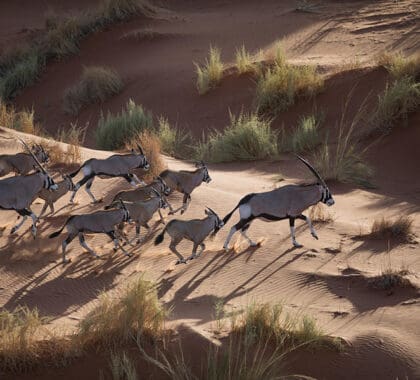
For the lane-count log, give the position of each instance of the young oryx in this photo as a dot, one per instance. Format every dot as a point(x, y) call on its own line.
point(17, 193)
point(97, 222)
point(142, 212)
point(287, 202)
point(51, 197)
point(22, 163)
point(118, 165)
point(195, 230)
point(185, 182)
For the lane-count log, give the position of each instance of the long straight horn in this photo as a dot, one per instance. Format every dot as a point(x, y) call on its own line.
point(33, 155)
point(156, 192)
point(312, 169)
point(122, 204)
point(140, 149)
point(211, 210)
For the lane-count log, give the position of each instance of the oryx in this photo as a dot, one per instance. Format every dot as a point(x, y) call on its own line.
point(117, 165)
point(185, 182)
point(96, 222)
point(22, 163)
point(18, 193)
point(286, 202)
point(195, 230)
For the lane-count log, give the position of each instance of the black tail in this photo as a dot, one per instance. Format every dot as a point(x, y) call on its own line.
point(75, 173)
point(228, 216)
point(244, 200)
point(159, 238)
point(56, 233)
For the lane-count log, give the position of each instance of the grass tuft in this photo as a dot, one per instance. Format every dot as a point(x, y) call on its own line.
point(399, 66)
point(390, 279)
point(280, 86)
point(135, 312)
point(248, 137)
point(400, 229)
point(306, 136)
point(122, 367)
point(119, 10)
point(175, 142)
point(244, 62)
point(209, 75)
point(22, 121)
point(115, 130)
point(320, 214)
point(97, 84)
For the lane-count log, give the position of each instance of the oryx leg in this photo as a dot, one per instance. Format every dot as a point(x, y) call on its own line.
point(87, 188)
point(130, 180)
point(24, 213)
point(139, 181)
point(64, 245)
point(242, 224)
point(43, 209)
point(162, 219)
point(309, 222)
point(80, 184)
point(194, 254)
point(243, 233)
point(172, 247)
point(183, 208)
point(117, 245)
point(85, 246)
point(139, 241)
point(292, 233)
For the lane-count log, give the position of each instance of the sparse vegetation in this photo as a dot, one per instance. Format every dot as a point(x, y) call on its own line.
point(399, 66)
point(279, 86)
point(22, 121)
point(400, 229)
point(119, 10)
point(175, 142)
point(395, 103)
point(97, 84)
point(115, 130)
point(209, 75)
point(141, 35)
point(244, 62)
point(390, 279)
point(248, 137)
point(135, 311)
point(122, 367)
point(306, 136)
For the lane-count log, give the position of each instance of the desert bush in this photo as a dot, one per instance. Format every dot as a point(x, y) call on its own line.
point(248, 137)
point(96, 85)
point(209, 75)
point(395, 103)
point(134, 312)
point(399, 66)
point(151, 145)
point(244, 62)
point(400, 229)
point(320, 214)
point(122, 367)
point(279, 87)
point(390, 279)
point(306, 136)
point(119, 10)
point(20, 120)
point(115, 130)
point(175, 142)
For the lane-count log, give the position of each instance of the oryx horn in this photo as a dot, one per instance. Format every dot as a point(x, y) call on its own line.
point(33, 155)
point(312, 169)
point(208, 208)
point(140, 149)
point(156, 192)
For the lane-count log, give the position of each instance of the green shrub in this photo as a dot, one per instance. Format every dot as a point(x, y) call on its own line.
point(395, 103)
point(244, 62)
point(306, 136)
point(175, 142)
point(209, 75)
point(115, 130)
point(248, 137)
point(279, 86)
point(96, 85)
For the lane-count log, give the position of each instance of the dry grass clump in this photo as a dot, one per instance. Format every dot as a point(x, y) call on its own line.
point(151, 145)
point(134, 312)
point(279, 86)
point(400, 229)
point(244, 62)
point(399, 66)
point(115, 130)
point(395, 103)
point(22, 121)
point(390, 279)
point(320, 214)
point(306, 136)
point(119, 10)
point(174, 142)
point(210, 74)
point(97, 84)
point(122, 367)
point(248, 137)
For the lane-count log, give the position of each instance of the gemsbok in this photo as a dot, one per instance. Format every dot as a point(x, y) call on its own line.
point(117, 165)
point(286, 202)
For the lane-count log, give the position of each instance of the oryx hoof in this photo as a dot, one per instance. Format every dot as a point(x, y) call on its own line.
point(115, 249)
point(192, 257)
point(181, 261)
point(182, 211)
point(171, 213)
point(297, 245)
point(13, 230)
point(128, 254)
point(253, 244)
point(66, 261)
point(315, 236)
point(96, 201)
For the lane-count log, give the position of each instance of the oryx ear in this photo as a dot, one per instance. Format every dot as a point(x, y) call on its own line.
point(207, 212)
point(133, 151)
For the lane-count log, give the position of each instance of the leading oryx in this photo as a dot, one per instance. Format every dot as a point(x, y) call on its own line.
point(22, 163)
point(96, 222)
point(17, 193)
point(185, 182)
point(287, 202)
point(117, 165)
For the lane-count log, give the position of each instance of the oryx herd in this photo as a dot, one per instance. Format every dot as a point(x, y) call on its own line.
point(139, 205)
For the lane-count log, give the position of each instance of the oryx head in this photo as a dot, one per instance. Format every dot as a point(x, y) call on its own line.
point(143, 163)
point(326, 196)
point(40, 153)
point(165, 188)
point(162, 200)
point(201, 165)
point(49, 183)
point(218, 223)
